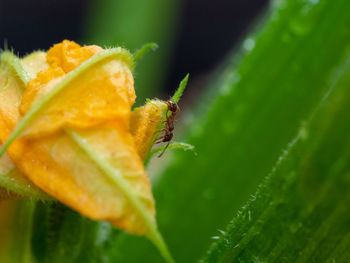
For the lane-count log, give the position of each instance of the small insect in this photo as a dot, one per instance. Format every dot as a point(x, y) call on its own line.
point(169, 124)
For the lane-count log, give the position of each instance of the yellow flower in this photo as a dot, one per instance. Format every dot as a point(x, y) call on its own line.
point(79, 140)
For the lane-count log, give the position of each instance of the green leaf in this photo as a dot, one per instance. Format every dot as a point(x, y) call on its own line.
point(249, 114)
point(60, 233)
point(176, 97)
point(301, 212)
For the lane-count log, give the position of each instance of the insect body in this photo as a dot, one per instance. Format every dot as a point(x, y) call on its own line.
point(169, 124)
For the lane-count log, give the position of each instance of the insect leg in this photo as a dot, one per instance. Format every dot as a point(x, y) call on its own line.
point(160, 155)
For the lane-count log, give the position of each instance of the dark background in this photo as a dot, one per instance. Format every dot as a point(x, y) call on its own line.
point(27, 25)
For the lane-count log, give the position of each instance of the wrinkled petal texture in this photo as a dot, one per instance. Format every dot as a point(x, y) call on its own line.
point(65, 172)
point(104, 92)
point(97, 105)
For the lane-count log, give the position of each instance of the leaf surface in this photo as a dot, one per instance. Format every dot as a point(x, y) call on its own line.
point(301, 211)
point(249, 114)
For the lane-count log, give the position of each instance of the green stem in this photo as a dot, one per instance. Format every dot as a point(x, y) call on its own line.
point(139, 54)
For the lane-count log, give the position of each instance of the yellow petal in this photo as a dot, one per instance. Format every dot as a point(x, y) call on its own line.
point(34, 63)
point(146, 124)
point(13, 184)
point(59, 166)
point(101, 92)
point(68, 55)
point(10, 96)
